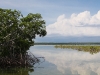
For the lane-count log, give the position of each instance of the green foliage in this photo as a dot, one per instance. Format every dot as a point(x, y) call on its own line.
point(17, 32)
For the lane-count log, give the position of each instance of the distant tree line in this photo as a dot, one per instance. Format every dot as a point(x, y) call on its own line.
point(69, 43)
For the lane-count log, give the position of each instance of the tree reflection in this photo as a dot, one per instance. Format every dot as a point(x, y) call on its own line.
point(90, 49)
point(16, 71)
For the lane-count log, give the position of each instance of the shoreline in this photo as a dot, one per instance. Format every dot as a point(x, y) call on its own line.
point(70, 43)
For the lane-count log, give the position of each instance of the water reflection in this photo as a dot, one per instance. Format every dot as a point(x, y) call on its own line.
point(60, 62)
point(71, 62)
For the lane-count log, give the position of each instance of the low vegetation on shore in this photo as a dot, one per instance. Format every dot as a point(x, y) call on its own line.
point(85, 48)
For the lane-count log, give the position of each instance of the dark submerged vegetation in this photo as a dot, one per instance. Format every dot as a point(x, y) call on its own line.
point(86, 48)
point(17, 34)
point(16, 71)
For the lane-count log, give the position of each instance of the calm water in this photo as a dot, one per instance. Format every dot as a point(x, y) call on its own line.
point(62, 62)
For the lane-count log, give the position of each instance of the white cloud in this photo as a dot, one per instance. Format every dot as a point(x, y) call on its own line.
point(82, 24)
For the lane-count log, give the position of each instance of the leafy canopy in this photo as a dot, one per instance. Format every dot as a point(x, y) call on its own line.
point(17, 32)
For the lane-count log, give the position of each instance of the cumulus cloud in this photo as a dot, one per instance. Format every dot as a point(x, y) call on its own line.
point(82, 24)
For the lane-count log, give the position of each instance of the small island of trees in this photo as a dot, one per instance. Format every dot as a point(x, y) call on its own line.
point(17, 34)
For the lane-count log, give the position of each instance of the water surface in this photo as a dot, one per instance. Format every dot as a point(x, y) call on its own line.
point(63, 62)
point(66, 61)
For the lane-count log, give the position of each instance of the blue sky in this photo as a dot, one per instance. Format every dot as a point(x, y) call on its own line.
point(66, 20)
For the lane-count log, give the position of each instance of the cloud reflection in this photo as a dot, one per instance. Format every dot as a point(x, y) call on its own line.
point(72, 62)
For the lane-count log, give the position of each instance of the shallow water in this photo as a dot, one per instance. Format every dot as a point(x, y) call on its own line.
point(63, 62)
